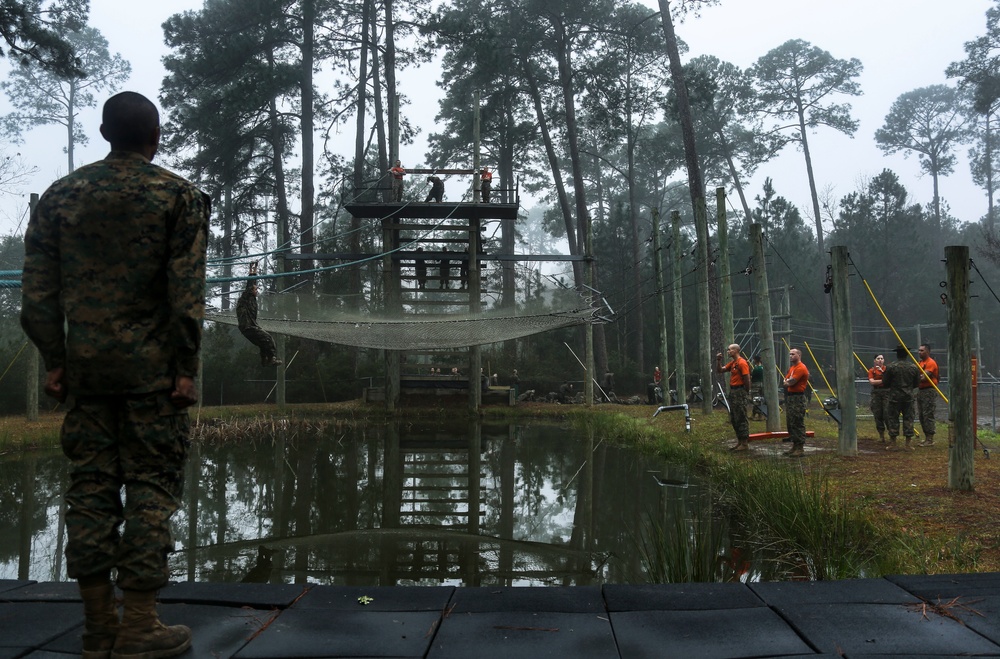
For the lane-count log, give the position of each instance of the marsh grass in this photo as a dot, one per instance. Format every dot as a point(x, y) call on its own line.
point(681, 549)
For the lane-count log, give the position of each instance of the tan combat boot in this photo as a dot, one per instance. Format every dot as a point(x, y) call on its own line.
point(909, 444)
point(881, 436)
point(100, 616)
point(142, 635)
point(928, 441)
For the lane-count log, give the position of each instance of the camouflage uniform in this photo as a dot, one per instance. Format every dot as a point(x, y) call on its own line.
point(795, 418)
point(116, 250)
point(739, 398)
point(900, 379)
point(246, 318)
point(926, 401)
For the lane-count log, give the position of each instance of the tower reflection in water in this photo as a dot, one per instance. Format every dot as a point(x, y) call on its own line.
point(394, 504)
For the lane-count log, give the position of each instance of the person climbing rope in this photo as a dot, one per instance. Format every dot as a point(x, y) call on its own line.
point(246, 315)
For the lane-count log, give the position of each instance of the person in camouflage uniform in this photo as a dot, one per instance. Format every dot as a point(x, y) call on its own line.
point(246, 318)
point(113, 296)
point(900, 379)
point(879, 395)
point(927, 393)
point(739, 394)
point(796, 384)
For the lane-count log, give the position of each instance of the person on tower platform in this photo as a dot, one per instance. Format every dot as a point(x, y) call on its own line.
point(436, 192)
point(398, 173)
point(485, 183)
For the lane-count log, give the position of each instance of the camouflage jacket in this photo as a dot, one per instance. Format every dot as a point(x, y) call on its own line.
point(114, 276)
point(900, 379)
point(246, 308)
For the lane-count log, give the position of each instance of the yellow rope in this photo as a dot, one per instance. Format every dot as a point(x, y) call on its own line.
point(860, 362)
point(820, 369)
point(13, 360)
point(898, 338)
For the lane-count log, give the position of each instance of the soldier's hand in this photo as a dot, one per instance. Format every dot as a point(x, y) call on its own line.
point(185, 394)
point(55, 385)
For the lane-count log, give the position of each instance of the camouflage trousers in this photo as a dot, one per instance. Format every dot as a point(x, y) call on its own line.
point(895, 409)
point(926, 400)
point(795, 418)
point(738, 401)
point(139, 442)
point(262, 340)
point(880, 398)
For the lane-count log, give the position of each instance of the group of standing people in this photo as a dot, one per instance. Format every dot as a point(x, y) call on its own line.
point(893, 396)
point(436, 192)
point(795, 382)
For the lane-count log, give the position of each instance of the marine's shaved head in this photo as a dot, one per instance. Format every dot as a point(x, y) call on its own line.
point(129, 121)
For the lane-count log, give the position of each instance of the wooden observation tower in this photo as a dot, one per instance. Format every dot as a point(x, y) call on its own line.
point(432, 260)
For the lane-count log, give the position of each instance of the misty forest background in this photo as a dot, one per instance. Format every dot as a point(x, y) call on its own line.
point(578, 112)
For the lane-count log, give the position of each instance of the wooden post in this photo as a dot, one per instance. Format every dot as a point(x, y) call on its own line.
point(475, 308)
point(763, 301)
point(705, 362)
point(679, 358)
point(476, 184)
point(844, 351)
point(31, 368)
point(786, 311)
point(472, 269)
point(961, 449)
point(661, 299)
point(725, 281)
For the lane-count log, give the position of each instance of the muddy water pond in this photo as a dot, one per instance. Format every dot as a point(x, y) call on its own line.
point(401, 504)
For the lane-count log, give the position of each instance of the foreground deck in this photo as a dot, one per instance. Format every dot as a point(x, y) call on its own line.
point(854, 618)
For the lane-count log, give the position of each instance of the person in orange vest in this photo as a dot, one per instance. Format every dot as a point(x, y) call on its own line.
point(796, 383)
point(739, 394)
point(926, 393)
point(397, 172)
point(485, 183)
point(880, 395)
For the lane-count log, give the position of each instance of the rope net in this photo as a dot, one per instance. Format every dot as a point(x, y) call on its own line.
point(416, 333)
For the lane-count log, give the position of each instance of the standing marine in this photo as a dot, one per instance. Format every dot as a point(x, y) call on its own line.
point(900, 379)
point(114, 298)
point(927, 393)
point(397, 172)
point(796, 385)
point(739, 394)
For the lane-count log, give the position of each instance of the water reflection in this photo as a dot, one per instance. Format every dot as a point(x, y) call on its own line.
point(405, 504)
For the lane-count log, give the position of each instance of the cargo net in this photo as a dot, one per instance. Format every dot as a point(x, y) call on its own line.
point(414, 332)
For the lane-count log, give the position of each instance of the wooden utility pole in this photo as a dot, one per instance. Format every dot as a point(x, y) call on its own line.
point(680, 381)
point(661, 299)
point(475, 352)
point(763, 301)
point(961, 447)
point(705, 365)
point(844, 351)
point(725, 279)
point(33, 357)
